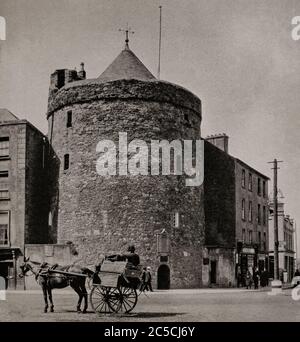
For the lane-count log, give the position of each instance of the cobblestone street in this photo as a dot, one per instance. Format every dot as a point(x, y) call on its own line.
point(203, 305)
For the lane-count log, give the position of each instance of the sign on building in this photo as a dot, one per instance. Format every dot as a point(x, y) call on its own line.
point(247, 250)
point(163, 243)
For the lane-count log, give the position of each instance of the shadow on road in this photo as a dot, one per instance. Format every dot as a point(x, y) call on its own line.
point(150, 314)
point(129, 315)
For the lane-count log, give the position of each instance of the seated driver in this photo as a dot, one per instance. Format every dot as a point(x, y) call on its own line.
point(131, 257)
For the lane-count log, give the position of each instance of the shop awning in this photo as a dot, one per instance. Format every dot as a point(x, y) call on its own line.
point(6, 253)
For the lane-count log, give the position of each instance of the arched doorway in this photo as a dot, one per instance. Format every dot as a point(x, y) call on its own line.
point(163, 277)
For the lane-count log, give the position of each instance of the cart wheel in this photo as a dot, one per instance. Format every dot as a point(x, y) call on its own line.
point(128, 299)
point(104, 299)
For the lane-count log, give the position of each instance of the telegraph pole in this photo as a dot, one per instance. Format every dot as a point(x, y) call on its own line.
point(276, 242)
point(296, 244)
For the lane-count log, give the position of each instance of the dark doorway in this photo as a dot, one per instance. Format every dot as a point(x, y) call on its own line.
point(4, 272)
point(271, 266)
point(213, 272)
point(163, 277)
point(261, 265)
point(244, 265)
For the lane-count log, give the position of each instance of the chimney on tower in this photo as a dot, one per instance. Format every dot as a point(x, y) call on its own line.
point(81, 74)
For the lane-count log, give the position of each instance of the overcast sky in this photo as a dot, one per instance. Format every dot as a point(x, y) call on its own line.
point(238, 56)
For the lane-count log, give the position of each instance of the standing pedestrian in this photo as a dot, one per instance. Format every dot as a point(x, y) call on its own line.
point(143, 283)
point(248, 279)
point(239, 276)
point(264, 279)
point(148, 279)
point(256, 277)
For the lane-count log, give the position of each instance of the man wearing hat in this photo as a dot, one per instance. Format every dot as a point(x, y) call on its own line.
point(131, 256)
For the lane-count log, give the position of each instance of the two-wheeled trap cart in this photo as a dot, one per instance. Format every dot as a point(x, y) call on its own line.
point(115, 288)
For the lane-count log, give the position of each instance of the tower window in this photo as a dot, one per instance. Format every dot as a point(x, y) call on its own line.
point(66, 161)
point(69, 118)
point(175, 220)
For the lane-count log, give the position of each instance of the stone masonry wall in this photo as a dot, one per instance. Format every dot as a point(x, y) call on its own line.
point(101, 215)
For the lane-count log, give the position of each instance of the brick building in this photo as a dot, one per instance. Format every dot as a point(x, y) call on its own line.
point(236, 215)
point(23, 190)
point(286, 247)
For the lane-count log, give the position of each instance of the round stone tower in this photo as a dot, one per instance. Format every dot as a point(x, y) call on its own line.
point(101, 215)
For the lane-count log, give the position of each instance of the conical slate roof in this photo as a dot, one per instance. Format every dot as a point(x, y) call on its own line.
point(126, 66)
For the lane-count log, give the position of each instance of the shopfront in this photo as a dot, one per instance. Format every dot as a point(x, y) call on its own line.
point(8, 266)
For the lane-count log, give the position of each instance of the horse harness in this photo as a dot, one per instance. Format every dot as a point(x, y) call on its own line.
point(45, 272)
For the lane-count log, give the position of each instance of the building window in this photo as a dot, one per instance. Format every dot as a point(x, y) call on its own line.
point(265, 241)
point(243, 210)
point(264, 188)
point(264, 216)
point(69, 118)
point(4, 228)
point(259, 186)
point(258, 214)
point(243, 178)
point(3, 174)
point(250, 212)
point(175, 219)
point(244, 235)
point(66, 161)
point(250, 182)
point(285, 239)
point(4, 194)
point(250, 236)
point(4, 147)
point(259, 240)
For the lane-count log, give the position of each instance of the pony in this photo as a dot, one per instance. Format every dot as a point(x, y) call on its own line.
point(47, 278)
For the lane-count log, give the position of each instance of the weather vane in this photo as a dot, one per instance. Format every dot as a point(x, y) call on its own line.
point(127, 32)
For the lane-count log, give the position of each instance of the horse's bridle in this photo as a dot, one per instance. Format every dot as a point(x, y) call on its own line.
point(29, 269)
